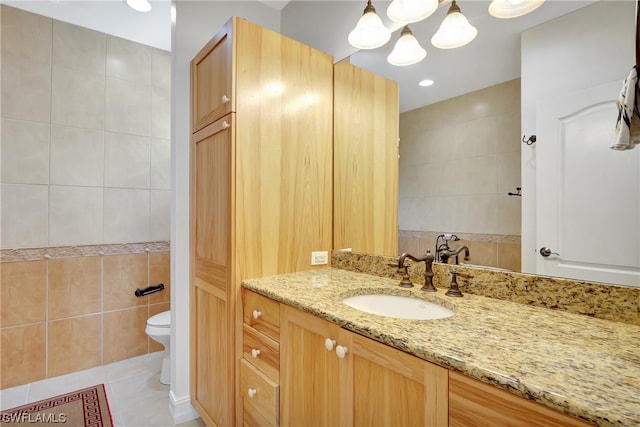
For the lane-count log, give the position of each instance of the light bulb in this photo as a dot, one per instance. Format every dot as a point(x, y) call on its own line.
point(370, 32)
point(455, 30)
point(408, 11)
point(513, 8)
point(407, 50)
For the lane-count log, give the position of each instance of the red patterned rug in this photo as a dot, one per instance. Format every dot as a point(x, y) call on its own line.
point(87, 407)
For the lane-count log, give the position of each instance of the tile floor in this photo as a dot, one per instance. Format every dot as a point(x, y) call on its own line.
point(136, 396)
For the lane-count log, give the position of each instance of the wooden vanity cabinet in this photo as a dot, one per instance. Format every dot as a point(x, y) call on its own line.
point(331, 376)
point(476, 404)
point(261, 194)
point(260, 363)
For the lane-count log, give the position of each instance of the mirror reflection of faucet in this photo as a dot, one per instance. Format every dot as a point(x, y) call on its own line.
point(444, 251)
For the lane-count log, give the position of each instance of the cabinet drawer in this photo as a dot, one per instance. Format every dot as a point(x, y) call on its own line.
point(262, 352)
point(259, 392)
point(261, 313)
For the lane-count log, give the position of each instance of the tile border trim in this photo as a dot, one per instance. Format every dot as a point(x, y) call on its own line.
point(37, 254)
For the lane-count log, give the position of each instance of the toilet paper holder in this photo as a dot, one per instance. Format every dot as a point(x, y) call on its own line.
point(149, 290)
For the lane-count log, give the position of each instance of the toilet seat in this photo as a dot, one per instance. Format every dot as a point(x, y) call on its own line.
point(160, 320)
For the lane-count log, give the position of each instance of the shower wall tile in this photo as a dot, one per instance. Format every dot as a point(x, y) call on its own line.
point(77, 156)
point(25, 152)
point(75, 215)
point(22, 355)
point(77, 98)
point(124, 335)
point(161, 69)
point(75, 287)
point(127, 160)
point(123, 274)
point(161, 164)
point(24, 293)
point(25, 90)
point(25, 36)
point(127, 60)
point(508, 171)
point(74, 344)
point(24, 215)
point(78, 47)
point(160, 112)
point(126, 215)
point(160, 272)
point(509, 256)
point(128, 107)
point(160, 217)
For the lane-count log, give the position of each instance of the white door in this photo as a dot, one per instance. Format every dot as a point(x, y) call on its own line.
point(588, 195)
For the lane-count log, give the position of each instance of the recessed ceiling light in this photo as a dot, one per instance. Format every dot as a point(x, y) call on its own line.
point(139, 5)
point(425, 83)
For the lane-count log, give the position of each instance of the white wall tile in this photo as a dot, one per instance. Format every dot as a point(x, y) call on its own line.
point(128, 107)
point(161, 164)
point(160, 220)
point(25, 90)
point(25, 36)
point(75, 215)
point(25, 152)
point(127, 161)
point(77, 98)
point(161, 69)
point(127, 60)
point(126, 215)
point(160, 113)
point(77, 156)
point(78, 48)
point(24, 215)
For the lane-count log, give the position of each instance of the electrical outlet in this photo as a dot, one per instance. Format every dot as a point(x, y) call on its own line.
point(319, 258)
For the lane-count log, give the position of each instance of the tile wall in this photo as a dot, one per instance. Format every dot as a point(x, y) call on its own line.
point(458, 160)
point(85, 193)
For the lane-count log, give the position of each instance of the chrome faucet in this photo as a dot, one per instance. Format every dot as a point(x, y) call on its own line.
point(445, 254)
point(428, 272)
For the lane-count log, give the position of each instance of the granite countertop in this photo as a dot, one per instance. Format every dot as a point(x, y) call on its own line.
point(583, 366)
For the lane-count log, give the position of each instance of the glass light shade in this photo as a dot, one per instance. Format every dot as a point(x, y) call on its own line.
point(408, 11)
point(139, 5)
point(370, 32)
point(455, 30)
point(513, 8)
point(407, 50)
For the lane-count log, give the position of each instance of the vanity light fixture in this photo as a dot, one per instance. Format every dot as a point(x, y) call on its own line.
point(513, 8)
point(139, 5)
point(407, 50)
point(408, 11)
point(370, 32)
point(455, 30)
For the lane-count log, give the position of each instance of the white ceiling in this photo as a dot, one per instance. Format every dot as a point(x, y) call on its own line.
point(493, 57)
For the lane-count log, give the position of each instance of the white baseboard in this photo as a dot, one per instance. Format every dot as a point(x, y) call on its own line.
point(181, 409)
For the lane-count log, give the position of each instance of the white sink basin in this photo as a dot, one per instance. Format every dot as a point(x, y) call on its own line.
point(398, 307)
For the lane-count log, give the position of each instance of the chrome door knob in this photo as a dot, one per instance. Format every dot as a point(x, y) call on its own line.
point(545, 252)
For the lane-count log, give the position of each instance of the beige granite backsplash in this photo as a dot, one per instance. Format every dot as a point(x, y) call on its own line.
point(610, 302)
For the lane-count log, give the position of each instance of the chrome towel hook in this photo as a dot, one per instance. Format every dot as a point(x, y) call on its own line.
point(529, 141)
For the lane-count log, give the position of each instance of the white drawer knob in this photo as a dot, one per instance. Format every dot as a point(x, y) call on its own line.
point(256, 314)
point(225, 99)
point(225, 125)
point(341, 351)
point(255, 353)
point(252, 392)
point(329, 343)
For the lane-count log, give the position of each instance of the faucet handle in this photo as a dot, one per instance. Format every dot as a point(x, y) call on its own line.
point(453, 291)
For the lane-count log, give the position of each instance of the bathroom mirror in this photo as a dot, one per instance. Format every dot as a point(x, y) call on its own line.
point(450, 71)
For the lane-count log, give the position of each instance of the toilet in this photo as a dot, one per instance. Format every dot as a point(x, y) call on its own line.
point(159, 330)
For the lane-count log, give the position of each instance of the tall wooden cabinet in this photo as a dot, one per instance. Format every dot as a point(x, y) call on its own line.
point(261, 190)
point(366, 132)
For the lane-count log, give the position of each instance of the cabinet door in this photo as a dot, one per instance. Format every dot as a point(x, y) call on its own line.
point(309, 373)
point(387, 387)
point(211, 80)
point(366, 123)
point(475, 404)
point(212, 296)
